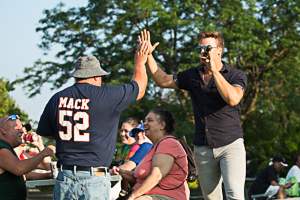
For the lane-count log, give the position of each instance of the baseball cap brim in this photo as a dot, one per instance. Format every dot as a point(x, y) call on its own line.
point(284, 164)
point(136, 130)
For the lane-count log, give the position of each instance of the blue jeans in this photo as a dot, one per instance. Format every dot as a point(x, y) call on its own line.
point(81, 185)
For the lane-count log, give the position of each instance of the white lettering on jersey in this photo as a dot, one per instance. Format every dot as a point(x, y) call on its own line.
point(84, 105)
point(71, 103)
point(85, 137)
point(62, 102)
point(68, 135)
point(78, 104)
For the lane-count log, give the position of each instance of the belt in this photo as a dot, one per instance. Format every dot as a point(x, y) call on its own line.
point(79, 168)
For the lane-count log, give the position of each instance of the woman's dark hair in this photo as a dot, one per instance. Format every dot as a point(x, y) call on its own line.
point(166, 116)
point(133, 121)
point(296, 158)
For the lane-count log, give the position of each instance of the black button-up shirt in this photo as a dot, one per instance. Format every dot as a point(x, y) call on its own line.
point(216, 123)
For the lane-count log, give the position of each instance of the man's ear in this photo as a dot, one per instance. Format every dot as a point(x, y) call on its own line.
point(3, 131)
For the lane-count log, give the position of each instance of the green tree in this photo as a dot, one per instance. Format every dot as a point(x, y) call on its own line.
point(8, 104)
point(261, 38)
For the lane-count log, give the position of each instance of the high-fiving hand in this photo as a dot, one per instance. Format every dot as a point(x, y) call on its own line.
point(145, 36)
point(141, 53)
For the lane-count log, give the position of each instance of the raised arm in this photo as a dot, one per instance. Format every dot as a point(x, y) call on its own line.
point(10, 163)
point(139, 71)
point(161, 165)
point(45, 164)
point(160, 78)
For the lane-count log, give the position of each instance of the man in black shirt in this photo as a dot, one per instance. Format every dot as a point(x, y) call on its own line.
point(216, 91)
point(267, 181)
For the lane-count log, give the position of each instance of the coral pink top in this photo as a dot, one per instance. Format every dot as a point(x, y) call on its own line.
point(174, 178)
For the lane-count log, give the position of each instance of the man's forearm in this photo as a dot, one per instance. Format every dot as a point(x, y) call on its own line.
point(232, 95)
point(160, 78)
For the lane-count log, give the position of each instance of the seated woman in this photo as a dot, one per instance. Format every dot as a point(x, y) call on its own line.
point(131, 147)
point(129, 150)
point(162, 172)
point(295, 170)
point(145, 145)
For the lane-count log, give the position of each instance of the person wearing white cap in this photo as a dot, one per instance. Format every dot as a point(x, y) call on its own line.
point(267, 181)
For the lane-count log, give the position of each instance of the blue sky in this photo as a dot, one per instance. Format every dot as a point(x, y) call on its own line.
point(19, 41)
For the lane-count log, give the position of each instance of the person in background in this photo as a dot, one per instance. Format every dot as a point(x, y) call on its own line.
point(145, 145)
point(44, 165)
point(129, 150)
point(267, 182)
point(83, 119)
point(295, 169)
point(12, 184)
point(216, 91)
point(162, 172)
point(131, 145)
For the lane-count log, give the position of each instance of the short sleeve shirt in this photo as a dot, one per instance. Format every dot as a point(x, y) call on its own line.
point(129, 151)
point(216, 123)
point(294, 172)
point(84, 120)
point(174, 178)
point(141, 152)
point(263, 180)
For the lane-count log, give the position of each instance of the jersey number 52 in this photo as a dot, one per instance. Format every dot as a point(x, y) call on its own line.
point(85, 137)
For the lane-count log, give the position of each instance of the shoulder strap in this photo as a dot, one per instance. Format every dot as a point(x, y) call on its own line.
point(174, 162)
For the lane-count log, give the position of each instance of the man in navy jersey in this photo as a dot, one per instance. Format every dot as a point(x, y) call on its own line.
point(83, 119)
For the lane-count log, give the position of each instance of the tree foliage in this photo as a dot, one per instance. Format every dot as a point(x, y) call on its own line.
point(8, 104)
point(261, 38)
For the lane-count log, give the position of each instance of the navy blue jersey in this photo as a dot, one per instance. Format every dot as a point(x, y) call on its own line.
point(84, 120)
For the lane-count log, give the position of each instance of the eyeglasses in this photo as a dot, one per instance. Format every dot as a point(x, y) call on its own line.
point(199, 49)
point(12, 117)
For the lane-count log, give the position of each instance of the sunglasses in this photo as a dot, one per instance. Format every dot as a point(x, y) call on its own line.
point(199, 49)
point(12, 117)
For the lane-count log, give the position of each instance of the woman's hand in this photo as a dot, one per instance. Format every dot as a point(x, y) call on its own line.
point(115, 170)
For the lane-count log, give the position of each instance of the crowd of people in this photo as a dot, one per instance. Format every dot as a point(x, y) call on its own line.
point(83, 120)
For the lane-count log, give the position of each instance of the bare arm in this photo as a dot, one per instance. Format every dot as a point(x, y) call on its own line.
point(37, 176)
point(232, 95)
point(10, 163)
point(286, 186)
point(139, 71)
point(129, 165)
point(45, 164)
point(160, 78)
point(126, 174)
point(161, 165)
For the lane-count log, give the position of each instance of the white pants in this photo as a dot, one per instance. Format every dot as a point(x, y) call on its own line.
point(228, 162)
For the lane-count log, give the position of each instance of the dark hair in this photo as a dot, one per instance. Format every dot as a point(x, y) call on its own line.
point(166, 116)
point(296, 158)
point(133, 121)
point(211, 34)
